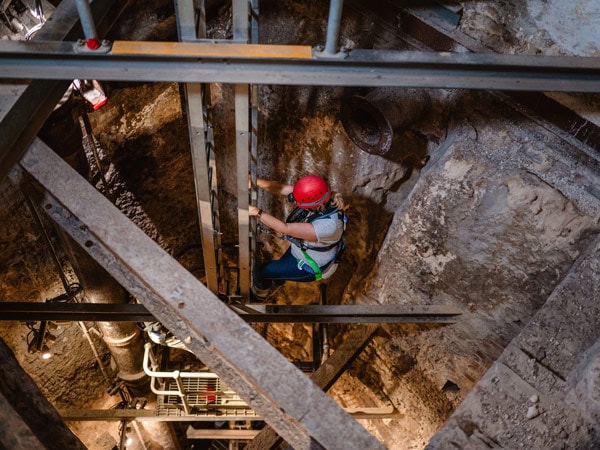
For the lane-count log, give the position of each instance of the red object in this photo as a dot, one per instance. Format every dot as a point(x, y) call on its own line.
point(311, 191)
point(93, 43)
point(100, 104)
point(211, 398)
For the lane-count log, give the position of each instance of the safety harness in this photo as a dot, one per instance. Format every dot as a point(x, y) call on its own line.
point(301, 215)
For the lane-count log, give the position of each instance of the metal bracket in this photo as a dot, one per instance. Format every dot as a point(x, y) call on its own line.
point(320, 53)
point(80, 47)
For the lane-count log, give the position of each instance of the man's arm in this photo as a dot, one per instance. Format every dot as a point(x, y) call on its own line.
point(274, 187)
point(304, 231)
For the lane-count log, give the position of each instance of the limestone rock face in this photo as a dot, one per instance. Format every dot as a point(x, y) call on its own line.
point(483, 230)
point(476, 206)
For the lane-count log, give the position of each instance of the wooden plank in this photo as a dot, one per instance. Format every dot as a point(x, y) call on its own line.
point(28, 421)
point(268, 382)
point(202, 49)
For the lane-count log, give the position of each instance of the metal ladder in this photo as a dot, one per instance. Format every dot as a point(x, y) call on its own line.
point(191, 25)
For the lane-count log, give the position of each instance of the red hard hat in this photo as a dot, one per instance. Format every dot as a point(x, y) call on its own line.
point(311, 191)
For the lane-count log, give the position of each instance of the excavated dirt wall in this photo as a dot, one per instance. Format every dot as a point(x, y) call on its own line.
point(488, 214)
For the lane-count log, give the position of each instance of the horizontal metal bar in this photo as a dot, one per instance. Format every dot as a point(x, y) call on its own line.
point(151, 415)
point(363, 310)
point(430, 29)
point(92, 312)
point(52, 60)
point(193, 433)
point(104, 312)
point(349, 314)
point(144, 415)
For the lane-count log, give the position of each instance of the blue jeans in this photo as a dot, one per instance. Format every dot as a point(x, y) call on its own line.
point(281, 270)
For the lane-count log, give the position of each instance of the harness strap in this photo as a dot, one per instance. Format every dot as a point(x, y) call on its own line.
point(313, 265)
point(303, 246)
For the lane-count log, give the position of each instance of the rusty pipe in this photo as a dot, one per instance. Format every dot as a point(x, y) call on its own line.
point(374, 120)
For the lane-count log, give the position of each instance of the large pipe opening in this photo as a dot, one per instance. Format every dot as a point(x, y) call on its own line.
point(374, 120)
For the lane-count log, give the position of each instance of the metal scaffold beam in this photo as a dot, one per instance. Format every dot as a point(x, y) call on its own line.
point(106, 312)
point(241, 32)
point(294, 406)
point(270, 64)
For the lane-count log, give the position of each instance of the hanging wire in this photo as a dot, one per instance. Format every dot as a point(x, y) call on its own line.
point(71, 289)
point(53, 254)
point(91, 144)
point(38, 13)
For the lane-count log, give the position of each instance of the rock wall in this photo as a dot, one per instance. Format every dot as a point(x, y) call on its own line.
point(542, 392)
point(489, 228)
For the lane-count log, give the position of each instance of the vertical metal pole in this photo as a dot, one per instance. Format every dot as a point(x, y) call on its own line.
point(323, 326)
point(201, 19)
point(87, 23)
point(333, 26)
point(187, 27)
point(242, 152)
point(240, 20)
point(241, 33)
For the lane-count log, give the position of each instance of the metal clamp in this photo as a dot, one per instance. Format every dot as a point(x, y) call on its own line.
point(80, 47)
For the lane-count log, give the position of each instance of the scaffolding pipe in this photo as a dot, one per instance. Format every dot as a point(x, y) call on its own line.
point(149, 368)
point(333, 26)
point(87, 23)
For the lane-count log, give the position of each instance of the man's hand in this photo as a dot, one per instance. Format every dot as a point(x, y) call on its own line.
point(252, 210)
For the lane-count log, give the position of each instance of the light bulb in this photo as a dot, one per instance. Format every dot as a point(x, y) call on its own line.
point(46, 353)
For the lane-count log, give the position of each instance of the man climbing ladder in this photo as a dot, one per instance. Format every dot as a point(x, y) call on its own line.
point(315, 229)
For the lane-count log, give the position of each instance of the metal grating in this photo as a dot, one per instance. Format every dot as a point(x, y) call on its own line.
point(206, 398)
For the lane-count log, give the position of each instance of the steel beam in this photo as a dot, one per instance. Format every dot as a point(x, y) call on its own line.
point(105, 312)
point(186, 21)
point(199, 433)
point(271, 385)
point(201, 167)
point(349, 313)
point(359, 68)
point(242, 147)
point(436, 33)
